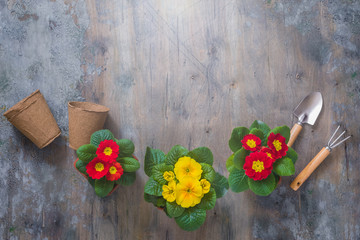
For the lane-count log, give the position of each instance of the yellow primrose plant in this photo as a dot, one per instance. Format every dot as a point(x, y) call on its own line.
point(183, 183)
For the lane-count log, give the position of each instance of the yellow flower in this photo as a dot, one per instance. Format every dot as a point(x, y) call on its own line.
point(205, 184)
point(169, 191)
point(188, 192)
point(169, 176)
point(187, 166)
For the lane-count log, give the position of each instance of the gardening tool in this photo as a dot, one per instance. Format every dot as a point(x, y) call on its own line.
point(317, 160)
point(307, 111)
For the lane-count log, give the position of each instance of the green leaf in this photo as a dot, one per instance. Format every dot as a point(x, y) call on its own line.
point(81, 166)
point(175, 153)
point(283, 130)
point(291, 153)
point(150, 198)
point(158, 172)
point(238, 180)
point(284, 167)
point(208, 201)
point(258, 133)
point(103, 187)
point(100, 136)
point(161, 202)
point(86, 153)
point(220, 184)
point(230, 163)
point(191, 219)
point(126, 147)
point(239, 158)
point(277, 178)
point(153, 157)
point(127, 179)
point(129, 164)
point(262, 126)
point(91, 181)
point(202, 155)
point(157, 201)
point(152, 187)
point(173, 209)
point(236, 136)
point(263, 187)
point(208, 172)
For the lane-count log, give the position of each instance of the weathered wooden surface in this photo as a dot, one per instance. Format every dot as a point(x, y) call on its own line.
point(180, 72)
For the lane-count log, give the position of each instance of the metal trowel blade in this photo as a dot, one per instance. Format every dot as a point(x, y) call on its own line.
point(309, 108)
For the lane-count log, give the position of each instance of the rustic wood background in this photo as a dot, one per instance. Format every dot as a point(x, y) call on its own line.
point(180, 72)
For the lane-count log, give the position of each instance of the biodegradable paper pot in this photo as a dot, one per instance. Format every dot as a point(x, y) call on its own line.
point(33, 118)
point(85, 118)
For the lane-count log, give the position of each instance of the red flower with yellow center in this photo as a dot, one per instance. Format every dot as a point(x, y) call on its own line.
point(277, 144)
point(270, 153)
point(251, 142)
point(115, 172)
point(97, 168)
point(108, 150)
point(258, 165)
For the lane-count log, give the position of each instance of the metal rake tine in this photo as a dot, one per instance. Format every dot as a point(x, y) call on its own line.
point(334, 142)
point(333, 135)
point(337, 144)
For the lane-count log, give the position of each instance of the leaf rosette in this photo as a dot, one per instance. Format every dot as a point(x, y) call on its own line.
point(260, 157)
point(107, 162)
point(183, 183)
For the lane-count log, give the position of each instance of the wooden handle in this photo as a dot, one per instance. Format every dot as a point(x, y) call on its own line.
point(308, 170)
point(294, 133)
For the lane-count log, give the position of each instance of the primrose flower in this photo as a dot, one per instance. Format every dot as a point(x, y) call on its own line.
point(115, 172)
point(205, 184)
point(270, 153)
point(187, 167)
point(188, 192)
point(169, 191)
point(251, 142)
point(277, 144)
point(97, 168)
point(108, 150)
point(169, 176)
point(258, 165)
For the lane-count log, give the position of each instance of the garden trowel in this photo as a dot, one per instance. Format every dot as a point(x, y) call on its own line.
point(307, 111)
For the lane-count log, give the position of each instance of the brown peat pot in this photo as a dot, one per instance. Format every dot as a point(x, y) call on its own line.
point(33, 118)
point(85, 118)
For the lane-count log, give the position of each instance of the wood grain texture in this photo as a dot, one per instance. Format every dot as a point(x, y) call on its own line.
point(294, 133)
point(180, 72)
